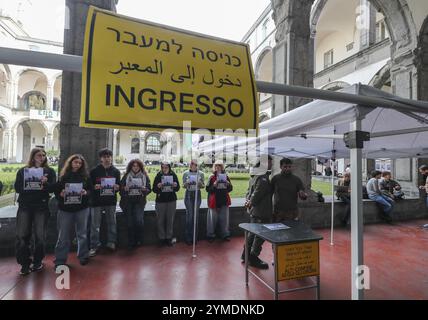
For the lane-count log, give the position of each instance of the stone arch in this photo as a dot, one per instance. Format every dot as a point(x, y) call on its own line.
point(382, 77)
point(31, 80)
point(264, 60)
point(263, 117)
point(335, 85)
point(398, 19)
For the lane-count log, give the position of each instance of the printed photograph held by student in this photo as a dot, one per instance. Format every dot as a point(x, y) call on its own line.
point(107, 186)
point(221, 181)
point(33, 178)
point(167, 183)
point(192, 182)
point(135, 186)
point(73, 193)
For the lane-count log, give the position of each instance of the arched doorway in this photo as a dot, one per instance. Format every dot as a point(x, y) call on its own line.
point(32, 90)
point(29, 134)
point(264, 72)
point(3, 152)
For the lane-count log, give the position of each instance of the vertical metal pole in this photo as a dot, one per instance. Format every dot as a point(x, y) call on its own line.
point(332, 202)
point(195, 213)
point(246, 258)
point(357, 255)
point(318, 288)
point(275, 255)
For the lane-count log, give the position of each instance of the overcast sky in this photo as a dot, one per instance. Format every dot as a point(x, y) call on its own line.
point(228, 19)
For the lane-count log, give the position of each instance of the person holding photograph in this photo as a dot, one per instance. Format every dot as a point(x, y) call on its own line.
point(193, 181)
point(106, 178)
point(72, 192)
point(34, 182)
point(218, 188)
point(134, 188)
point(165, 186)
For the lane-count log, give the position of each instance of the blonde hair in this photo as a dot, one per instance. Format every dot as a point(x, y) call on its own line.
point(218, 163)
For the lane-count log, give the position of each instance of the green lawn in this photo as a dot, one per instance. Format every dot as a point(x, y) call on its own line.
point(322, 186)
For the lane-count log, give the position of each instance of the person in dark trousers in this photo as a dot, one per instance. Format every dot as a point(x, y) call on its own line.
point(165, 186)
point(193, 189)
point(134, 188)
point(72, 192)
point(287, 188)
point(33, 182)
point(423, 170)
point(343, 192)
point(106, 179)
point(218, 202)
point(390, 187)
point(259, 206)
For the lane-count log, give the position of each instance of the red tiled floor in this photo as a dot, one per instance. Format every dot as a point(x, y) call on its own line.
point(396, 255)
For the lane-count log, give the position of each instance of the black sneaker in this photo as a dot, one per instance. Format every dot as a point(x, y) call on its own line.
point(37, 267)
point(257, 263)
point(211, 239)
point(169, 242)
point(25, 270)
point(84, 261)
point(226, 238)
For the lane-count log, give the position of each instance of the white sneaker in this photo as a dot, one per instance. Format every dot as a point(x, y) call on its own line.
point(111, 246)
point(92, 252)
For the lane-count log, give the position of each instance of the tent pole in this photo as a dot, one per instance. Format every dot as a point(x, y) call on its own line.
point(332, 202)
point(357, 255)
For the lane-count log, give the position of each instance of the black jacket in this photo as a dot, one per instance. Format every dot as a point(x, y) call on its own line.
point(96, 174)
point(73, 178)
point(125, 198)
point(35, 198)
point(165, 196)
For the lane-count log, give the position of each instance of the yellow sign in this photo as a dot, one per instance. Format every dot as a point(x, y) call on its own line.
point(298, 260)
point(141, 75)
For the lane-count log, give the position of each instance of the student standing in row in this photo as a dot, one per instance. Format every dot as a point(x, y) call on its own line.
point(106, 178)
point(72, 192)
point(218, 188)
point(165, 186)
point(33, 182)
point(287, 188)
point(135, 186)
point(192, 185)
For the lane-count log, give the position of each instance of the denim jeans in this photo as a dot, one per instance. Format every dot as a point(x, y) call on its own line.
point(110, 212)
point(385, 202)
point(27, 219)
point(135, 218)
point(65, 221)
point(189, 202)
point(220, 216)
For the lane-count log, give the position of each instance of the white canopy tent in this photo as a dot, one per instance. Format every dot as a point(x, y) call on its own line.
point(317, 129)
point(331, 120)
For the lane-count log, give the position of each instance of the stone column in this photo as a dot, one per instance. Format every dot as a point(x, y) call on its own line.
point(293, 64)
point(13, 98)
point(49, 97)
point(367, 24)
point(74, 139)
point(293, 55)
